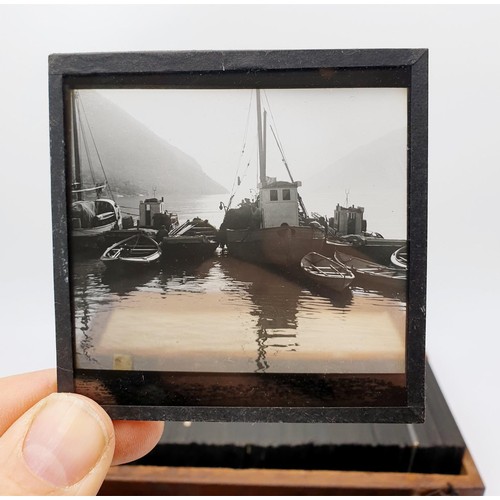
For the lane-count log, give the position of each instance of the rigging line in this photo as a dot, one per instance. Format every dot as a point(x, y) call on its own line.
point(236, 190)
point(280, 146)
point(81, 137)
point(87, 152)
point(243, 175)
point(282, 154)
point(249, 162)
point(245, 138)
point(278, 142)
point(97, 151)
point(277, 139)
point(246, 168)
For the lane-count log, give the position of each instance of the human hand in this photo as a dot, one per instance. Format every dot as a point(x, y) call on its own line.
point(61, 444)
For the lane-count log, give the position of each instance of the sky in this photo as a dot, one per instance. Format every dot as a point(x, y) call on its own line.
point(316, 127)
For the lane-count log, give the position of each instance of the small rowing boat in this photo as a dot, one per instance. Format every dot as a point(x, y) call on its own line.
point(135, 251)
point(326, 272)
point(400, 258)
point(372, 274)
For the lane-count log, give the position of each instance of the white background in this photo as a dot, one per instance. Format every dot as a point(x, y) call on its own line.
point(464, 157)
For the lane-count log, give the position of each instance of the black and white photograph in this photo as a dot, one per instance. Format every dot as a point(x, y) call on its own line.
point(223, 232)
point(260, 374)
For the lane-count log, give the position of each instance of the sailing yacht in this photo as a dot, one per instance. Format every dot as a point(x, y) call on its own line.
point(91, 214)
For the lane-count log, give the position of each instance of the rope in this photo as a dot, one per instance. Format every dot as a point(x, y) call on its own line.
point(86, 146)
point(245, 137)
point(97, 151)
point(278, 141)
point(280, 147)
point(81, 136)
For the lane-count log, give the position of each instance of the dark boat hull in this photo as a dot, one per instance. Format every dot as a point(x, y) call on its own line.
point(372, 276)
point(282, 247)
point(187, 248)
point(378, 250)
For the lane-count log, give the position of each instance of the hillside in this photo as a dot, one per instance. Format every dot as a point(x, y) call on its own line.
point(135, 159)
point(375, 175)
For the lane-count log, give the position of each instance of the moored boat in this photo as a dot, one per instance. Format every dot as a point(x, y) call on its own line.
point(400, 258)
point(135, 251)
point(194, 240)
point(326, 272)
point(187, 248)
point(373, 249)
point(274, 229)
point(373, 275)
point(347, 232)
point(92, 215)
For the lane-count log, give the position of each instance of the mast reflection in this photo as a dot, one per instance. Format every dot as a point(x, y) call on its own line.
point(275, 302)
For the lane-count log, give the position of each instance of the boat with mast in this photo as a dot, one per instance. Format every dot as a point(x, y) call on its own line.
point(92, 214)
point(274, 229)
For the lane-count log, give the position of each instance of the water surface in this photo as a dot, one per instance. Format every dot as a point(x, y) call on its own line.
point(231, 316)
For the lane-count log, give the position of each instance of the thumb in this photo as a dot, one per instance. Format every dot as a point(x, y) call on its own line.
point(61, 446)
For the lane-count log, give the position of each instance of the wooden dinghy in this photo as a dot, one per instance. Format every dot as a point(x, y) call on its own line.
point(400, 258)
point(135, 251)
point(326, 272)
point(372, 274)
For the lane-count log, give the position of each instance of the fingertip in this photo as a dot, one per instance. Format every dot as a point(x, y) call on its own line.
point(67, 437)
point(134, 439)
point(63, 444)
point(22, 392)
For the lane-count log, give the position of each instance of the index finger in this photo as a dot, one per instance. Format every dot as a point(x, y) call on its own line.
point(21, 392)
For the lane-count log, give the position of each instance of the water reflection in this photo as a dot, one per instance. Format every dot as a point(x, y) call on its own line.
point(228, 315)
point(181, 277)
point(275, 302)
point(124, 282)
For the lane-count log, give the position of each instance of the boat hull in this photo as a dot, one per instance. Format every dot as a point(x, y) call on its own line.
point(135, 252)
point(400, 258)
point(278, 246)
point(88, 228)
point(133, 263)
point(325, 272)
point(187, 248)
point(372, 276)
point(379, 250)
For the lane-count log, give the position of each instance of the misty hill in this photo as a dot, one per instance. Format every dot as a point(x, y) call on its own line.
point(375, 176)
point(135, 158)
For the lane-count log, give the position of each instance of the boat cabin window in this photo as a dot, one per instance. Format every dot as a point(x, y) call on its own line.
point(274, 194)
point(286, 194)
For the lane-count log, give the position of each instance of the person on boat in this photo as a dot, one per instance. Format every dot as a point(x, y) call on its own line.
point(162, 233)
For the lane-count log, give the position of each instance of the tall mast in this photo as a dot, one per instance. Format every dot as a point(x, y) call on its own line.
point(262, 140)
point(76, 152)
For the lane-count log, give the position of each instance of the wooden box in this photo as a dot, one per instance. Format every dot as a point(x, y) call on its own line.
point(203, 458)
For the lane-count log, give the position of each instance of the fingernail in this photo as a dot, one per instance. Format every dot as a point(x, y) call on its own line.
point(65, 441)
